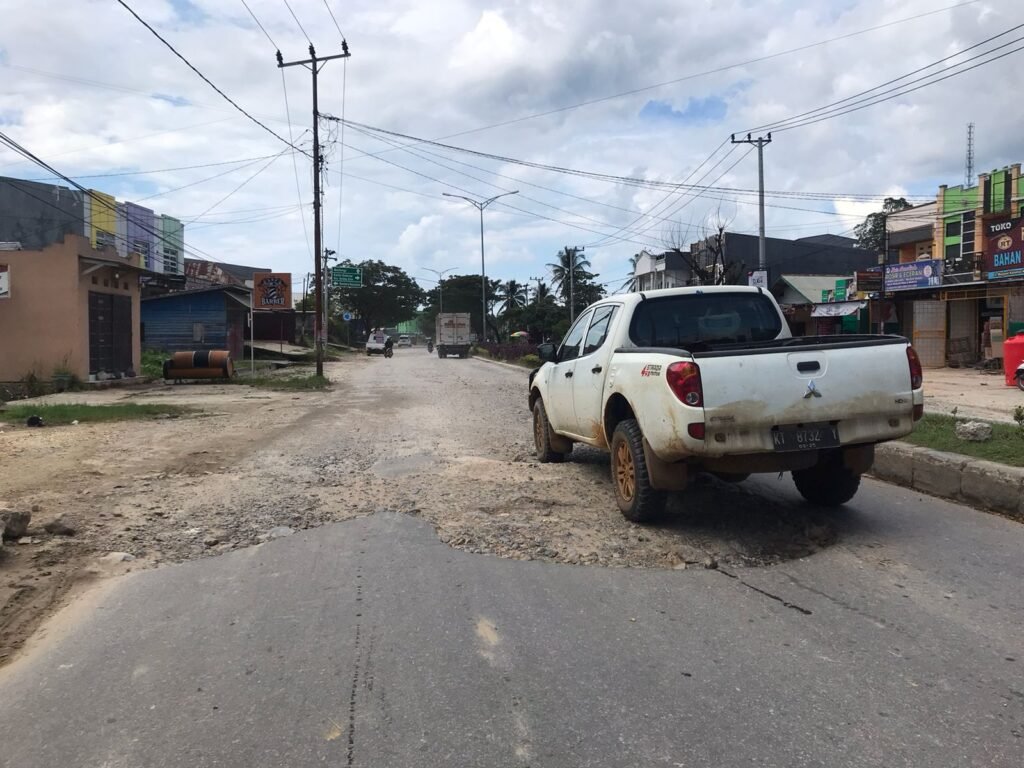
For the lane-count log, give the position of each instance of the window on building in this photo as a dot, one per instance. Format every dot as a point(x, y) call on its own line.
point(198, 332)
point(952, 229)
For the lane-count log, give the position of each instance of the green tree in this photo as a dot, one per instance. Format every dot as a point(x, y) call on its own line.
point(388, 295)
point(871, 234)
point(461, 293)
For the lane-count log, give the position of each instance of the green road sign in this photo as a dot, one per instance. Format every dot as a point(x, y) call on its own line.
point(347, 277)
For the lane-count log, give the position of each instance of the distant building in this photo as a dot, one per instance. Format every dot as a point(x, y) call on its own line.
point(38, 215)
point(816, 255)
point(660, 270)
point(200, 273)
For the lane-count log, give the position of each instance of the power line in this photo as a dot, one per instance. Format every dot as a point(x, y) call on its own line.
point(262, 28)
point(94, 199)
point(133, 138)
point(299, 23)
point(704, 73)
point(245, 182)
point(328, 7)
point(341, 158)
point(902, 90)
point(295, 162)
point(205, 79)
point(157, 170)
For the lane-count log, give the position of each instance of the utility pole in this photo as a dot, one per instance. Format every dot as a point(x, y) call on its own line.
point(314, 65)
point(570, 255)
point(480, 205)
point(759, 142)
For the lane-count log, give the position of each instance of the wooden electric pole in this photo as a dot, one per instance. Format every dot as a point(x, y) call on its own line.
point(314, 64)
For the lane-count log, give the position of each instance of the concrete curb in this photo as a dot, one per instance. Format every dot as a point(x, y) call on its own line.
point(502, 364)
point(980, 483)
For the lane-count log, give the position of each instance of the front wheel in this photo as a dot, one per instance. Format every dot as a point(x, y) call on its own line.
point(828, 484)
point(542, 436)
point(638, 500)
point(1020, 380)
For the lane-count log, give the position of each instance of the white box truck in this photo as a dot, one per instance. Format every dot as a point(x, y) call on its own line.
point(452, 334)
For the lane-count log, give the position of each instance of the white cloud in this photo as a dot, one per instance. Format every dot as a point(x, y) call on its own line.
point(434, 70)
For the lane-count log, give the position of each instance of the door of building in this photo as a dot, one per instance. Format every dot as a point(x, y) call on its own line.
point(110, 333)
point(930, 333)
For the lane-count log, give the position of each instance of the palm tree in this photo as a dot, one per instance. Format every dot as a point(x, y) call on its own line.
point(512, 296)
point(541, 293)
point(560, 271)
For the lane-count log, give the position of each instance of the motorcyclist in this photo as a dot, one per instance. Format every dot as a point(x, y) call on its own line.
point(389, 344)
point(430, 345)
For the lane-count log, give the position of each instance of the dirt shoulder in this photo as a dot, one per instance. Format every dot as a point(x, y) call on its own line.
point(135, 493)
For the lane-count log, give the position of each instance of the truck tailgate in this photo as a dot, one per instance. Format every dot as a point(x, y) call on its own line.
point(863, 389)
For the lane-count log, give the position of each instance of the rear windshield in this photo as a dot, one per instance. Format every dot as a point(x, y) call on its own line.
point(704, 318)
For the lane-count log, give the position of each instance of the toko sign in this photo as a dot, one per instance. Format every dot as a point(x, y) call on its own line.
point(1003, 251)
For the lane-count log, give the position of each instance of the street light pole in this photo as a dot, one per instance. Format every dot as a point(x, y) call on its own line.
point(440, 285)
point(480, 205)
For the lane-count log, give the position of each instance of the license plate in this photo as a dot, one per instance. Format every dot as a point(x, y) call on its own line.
point(805, 438)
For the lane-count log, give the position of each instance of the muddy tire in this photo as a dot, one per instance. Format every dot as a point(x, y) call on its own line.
point(637, 499)
point(827, 484)
point(542, 436)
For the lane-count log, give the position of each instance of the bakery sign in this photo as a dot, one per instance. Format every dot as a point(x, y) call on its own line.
point(1004, 247)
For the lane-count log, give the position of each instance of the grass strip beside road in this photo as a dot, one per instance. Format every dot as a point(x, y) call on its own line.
point(286, 383)
point(938, 432)
point(53, 415)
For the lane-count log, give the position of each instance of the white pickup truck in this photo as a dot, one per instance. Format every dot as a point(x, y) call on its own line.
point(687, 380)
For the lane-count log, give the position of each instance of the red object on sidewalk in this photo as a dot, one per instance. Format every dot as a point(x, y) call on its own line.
point(1013, 356)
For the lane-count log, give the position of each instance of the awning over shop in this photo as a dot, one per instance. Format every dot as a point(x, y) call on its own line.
point(838, 308)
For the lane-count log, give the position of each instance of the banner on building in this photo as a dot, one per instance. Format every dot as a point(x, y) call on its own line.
point(1004, 246)
point(5, 281)
point(272, 290)
point(926, 273)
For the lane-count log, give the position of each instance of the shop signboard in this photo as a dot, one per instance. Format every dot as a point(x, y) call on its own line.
point(869, 281)
point(926, 273)
point(1004, 248)
point(272, 290)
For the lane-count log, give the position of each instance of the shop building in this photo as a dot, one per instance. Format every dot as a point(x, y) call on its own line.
point(960, 292)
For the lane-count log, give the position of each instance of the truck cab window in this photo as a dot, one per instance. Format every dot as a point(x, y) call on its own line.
point(599, 328)
point(570, 349)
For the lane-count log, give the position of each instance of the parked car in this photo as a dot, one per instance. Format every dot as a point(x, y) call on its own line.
point(687, 380)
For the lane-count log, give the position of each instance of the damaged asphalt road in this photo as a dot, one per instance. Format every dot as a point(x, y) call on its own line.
point(460, 614)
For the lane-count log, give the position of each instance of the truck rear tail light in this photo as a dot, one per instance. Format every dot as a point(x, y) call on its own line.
point(916, 374)
point(696, 430)
point(684, 380)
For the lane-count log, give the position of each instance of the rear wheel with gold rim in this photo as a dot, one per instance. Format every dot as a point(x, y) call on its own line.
point(638, 500)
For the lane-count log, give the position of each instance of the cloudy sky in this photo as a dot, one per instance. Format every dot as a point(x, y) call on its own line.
point(648, 89)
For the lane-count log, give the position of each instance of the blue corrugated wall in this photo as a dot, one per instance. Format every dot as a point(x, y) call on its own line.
point(168, 321)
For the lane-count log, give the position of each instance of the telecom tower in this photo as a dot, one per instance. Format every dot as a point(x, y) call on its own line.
point(969, 164)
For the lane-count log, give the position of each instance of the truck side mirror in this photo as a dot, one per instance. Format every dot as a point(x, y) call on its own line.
point(547, 353)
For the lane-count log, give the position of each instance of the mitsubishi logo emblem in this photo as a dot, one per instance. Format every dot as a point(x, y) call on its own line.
point(812, 391)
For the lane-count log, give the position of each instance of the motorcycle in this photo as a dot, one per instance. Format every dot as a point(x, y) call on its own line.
point(389, 352)
point(430, 347)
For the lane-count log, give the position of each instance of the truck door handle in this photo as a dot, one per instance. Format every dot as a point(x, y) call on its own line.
point(808, 365)
point(596, 369)
point(568, 374)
